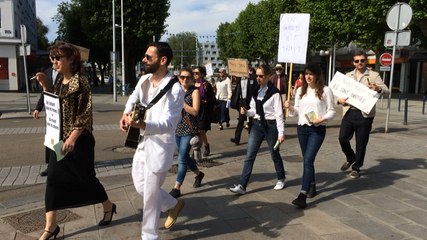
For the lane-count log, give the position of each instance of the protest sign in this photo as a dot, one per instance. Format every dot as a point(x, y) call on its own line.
point(53, 120)
point(293, 37)
point(358, 94)
point(209, 69)
point(238, 67)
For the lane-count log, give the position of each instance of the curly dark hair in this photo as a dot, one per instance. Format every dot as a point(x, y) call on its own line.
point(68, 50)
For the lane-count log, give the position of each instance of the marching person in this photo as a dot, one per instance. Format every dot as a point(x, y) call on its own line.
point(186, 129)
point(71, 182)
point(154, 154)
point(266, 108)
point(314, 106)
point(355, 122)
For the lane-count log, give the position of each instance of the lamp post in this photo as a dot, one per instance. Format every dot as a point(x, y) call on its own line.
point(123, 49)
point(113, 57)
point(324, 53)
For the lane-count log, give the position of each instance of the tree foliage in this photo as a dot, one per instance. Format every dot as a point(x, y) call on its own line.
point(42, 30)
point(184, 48)
point(88, 23)
point(254, 33)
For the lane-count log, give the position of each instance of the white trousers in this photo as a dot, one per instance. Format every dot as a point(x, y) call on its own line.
point(155, 199)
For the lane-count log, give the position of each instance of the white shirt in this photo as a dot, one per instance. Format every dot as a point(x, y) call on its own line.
point(272, 109)
point(223, 89)
point(310, 102)
point(244, 87)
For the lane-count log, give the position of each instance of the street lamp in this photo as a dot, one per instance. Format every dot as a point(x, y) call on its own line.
point(113, 57)
point(324, 53)
point(123, 49)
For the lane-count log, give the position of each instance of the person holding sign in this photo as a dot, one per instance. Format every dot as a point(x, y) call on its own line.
point(356, 122)
point(266, 108)
point(72, 182)
point(314, 106)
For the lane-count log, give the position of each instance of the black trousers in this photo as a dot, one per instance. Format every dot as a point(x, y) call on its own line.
point(353, 123)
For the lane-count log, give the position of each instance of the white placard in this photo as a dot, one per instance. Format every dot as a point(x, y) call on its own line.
point(53, 120)
point(358, 94)
point(293, 37)
point(209, 69)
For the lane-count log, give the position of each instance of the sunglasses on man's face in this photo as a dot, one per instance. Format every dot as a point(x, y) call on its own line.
point(359, 60)
point(182, 77)
point(148, 57)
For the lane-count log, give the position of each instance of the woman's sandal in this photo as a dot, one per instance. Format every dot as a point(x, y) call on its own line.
point(104, 222)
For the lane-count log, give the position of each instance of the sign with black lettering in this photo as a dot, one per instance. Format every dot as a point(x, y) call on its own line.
point(53, 120)
point(358, 94)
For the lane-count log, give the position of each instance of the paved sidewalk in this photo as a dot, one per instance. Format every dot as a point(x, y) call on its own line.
point(389, 201)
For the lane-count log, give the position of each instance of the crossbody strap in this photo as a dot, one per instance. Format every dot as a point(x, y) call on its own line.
point(162, 92)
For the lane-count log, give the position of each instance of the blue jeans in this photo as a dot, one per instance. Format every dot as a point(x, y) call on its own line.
point(258, 133)
point(310, 139)
point(184, 159)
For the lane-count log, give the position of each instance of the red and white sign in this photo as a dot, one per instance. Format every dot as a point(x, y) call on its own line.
point(386, 59)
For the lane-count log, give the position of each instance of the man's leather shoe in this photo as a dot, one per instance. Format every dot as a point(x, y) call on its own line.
point(173, 214)
point(44, 173)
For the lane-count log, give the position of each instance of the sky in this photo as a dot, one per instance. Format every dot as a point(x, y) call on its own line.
point(200, 16)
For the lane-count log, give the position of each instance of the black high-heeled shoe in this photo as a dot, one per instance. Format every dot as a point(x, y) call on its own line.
point(53, 234)
point(104, 222)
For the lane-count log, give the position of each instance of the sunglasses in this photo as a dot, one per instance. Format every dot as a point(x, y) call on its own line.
point(196, 73)
point(57, 58)
point(260, 76)
point(360, 60)
point(148, 57)
point(185, 77)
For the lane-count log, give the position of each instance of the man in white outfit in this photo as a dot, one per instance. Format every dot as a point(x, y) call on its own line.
point(154, 154)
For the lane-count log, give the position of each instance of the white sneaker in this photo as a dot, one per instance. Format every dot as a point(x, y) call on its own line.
point(238, 189)
point(279, 185)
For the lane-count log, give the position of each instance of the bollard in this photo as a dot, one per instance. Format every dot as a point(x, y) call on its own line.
point(424, 104)
point(405, 115)
point(398, 104)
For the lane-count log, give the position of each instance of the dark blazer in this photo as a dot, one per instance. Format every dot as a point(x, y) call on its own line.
point(236, 98)
point(49, 80)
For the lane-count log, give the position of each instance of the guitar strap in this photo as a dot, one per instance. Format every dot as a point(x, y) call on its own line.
point(162, 92)
point(133, 135)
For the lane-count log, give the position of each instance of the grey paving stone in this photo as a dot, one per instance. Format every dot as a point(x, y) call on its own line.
point(373, 229)
point(414, 230)
point(23, 175)
point(13, 174)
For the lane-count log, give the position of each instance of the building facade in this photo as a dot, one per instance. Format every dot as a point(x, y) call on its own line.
point(13, 14)
point(210, 54)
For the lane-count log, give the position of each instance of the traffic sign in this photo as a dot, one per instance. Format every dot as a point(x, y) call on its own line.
point(399, 16)
point(386, 59)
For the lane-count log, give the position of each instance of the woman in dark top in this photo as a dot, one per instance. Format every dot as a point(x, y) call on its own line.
point(208, 102)
point(185, 130)
point(72, 182)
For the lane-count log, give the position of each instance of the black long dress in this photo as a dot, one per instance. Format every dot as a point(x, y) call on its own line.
point(72, 182)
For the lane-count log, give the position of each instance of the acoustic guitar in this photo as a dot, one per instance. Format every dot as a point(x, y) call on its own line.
point(133, 135)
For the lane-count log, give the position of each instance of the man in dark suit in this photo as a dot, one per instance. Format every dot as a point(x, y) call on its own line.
point(52, 77)
point(241, 97)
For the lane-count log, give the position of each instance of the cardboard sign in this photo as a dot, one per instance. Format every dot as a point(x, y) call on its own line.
point(358, 94)
point(293, 37)
point(238, 67)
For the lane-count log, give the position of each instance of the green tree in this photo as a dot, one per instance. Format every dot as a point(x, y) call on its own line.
point(88, 23)
point(42, 30)
point(184, 48)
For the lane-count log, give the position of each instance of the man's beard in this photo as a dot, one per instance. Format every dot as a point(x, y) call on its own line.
point(152, 68)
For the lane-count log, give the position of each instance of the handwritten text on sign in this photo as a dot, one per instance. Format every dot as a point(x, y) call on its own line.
point(359, 95)
point(53, 120)
point(293, 37)
point(238, 67)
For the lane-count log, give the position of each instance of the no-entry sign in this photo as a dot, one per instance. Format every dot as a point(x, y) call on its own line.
point(386, 59)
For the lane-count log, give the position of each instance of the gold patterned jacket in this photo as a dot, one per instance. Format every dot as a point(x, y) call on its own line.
point(76, 104)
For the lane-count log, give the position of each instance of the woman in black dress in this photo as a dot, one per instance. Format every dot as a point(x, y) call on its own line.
point(72, 182)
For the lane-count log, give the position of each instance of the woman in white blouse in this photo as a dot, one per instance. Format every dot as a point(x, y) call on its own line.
point(314, 106)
